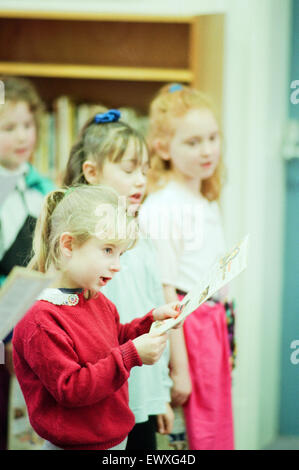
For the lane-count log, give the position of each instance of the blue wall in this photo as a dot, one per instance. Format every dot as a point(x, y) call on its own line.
point(289, 412)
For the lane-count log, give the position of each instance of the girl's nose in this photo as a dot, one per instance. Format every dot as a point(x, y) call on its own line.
point(206, 149)
point(21, 133)
point(140, 179)
point(115, 267)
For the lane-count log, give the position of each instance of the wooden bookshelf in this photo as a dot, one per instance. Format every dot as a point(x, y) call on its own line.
point(119, 60)
point(97, 72)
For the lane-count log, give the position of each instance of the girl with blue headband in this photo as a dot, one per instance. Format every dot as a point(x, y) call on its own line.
point(111, 152)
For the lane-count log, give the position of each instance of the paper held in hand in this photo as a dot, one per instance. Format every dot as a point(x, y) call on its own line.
point(222, 272)
point(17, 294)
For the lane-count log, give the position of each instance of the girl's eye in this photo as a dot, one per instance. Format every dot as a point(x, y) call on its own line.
point(214, 137)
point(29, 124)
point(9, 128)
point(108, 250)
point(128, 166)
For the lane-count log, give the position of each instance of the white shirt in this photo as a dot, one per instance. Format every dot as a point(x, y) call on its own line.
point(187, 231)
point(17, 205)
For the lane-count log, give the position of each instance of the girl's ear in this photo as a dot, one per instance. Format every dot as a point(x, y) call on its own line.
point(161, 148)
point(90, 172)
point(66, 243)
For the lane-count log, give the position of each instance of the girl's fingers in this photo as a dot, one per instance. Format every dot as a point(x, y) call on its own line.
point(160, 423)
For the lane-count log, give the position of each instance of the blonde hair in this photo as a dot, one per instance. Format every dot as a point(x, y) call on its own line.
point(20, 89)
point(98, 142)
point(164, 109)
point(84, 211)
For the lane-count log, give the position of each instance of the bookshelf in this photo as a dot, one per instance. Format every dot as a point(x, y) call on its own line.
point(77, 60)
point(120, 60)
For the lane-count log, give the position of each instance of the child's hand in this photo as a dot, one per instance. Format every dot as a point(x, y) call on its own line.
point(181, 388)
point(171, 310)
point(149, 347)
point(165, 421)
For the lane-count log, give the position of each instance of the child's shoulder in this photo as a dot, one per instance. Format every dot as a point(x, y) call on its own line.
point(39, 314)
point(36, 181)
point(165, 193)
point(38, 311)
point(159, 202)
point(100, 300)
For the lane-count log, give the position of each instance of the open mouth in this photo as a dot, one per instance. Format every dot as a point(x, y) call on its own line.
point(21, 151)
point(104, 280)
point(135, 197)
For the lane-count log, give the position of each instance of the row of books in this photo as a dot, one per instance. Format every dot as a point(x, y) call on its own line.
point(60, 128)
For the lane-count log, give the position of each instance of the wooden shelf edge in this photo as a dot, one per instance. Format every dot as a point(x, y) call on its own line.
point(96, 72)
point(92, 16)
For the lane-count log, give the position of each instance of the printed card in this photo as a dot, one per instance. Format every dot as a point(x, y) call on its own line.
point(221, 273)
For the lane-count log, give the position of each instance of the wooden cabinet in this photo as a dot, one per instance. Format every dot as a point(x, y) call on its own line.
point(116, 60)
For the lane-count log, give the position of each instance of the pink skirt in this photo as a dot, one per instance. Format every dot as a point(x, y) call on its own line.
point(208, 412)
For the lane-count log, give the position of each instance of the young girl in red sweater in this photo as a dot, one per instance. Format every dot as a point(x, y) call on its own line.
point(72, 356)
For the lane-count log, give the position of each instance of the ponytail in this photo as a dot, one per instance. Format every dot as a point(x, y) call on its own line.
point(41, 240)
point(74, 168)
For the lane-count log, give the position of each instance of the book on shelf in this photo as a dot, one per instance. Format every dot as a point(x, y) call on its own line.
point(65, 132)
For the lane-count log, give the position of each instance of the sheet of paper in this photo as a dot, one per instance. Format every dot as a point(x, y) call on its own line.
point(221, 273)
point(17, 294)
point(7, 184)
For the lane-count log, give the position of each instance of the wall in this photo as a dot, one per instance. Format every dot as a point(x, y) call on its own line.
point(256, 65)
point(289, 413)
point(167, 7)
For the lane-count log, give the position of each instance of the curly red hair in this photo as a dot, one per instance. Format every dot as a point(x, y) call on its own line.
point(164, 108)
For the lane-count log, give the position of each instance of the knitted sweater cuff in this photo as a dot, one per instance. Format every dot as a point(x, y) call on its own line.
point(130, 355)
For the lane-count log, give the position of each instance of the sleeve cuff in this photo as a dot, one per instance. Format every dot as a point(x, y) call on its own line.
point(130, 355)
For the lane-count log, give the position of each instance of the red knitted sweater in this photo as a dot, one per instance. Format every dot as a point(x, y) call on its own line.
point(73, 363)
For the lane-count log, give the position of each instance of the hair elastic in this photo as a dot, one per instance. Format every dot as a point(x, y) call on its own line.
point(175, 87)
point(69, 190)
point(113, 115)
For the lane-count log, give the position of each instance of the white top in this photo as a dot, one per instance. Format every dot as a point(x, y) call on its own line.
point(135, 290)
point(18, 203)
point(187, 231)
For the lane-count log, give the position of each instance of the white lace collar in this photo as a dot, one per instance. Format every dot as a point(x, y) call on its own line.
point(56, 297)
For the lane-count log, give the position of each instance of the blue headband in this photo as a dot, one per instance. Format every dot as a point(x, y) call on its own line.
point(175, 87)
point(113, 115)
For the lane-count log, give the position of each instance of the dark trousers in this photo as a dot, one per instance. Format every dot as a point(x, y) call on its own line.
point(4, 389)
point(143, 435)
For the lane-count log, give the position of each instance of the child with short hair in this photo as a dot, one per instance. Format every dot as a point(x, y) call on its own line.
point(19, 126)
point(117, 155)
point(186, 180)
point(72, 356)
